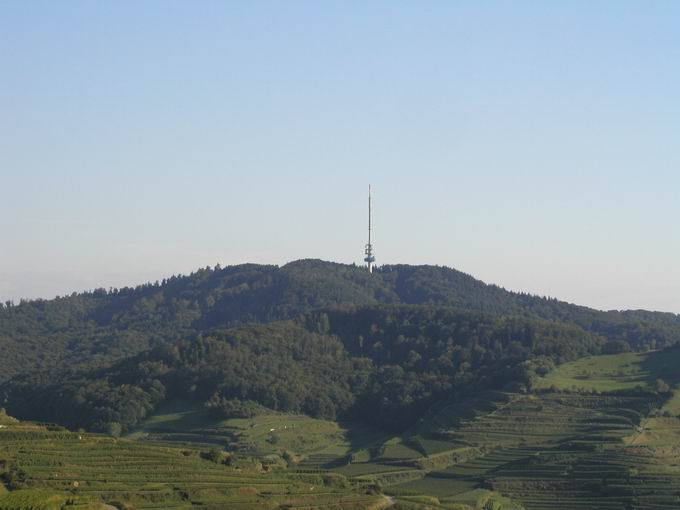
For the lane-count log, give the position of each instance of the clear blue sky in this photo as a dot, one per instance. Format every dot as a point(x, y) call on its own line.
point(531, 144)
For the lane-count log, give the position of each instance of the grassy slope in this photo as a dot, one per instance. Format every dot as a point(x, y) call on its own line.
point(39, 499)
point(616, 372)
point(313, 441)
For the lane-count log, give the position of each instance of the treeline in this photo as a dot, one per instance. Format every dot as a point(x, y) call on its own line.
point(102, 326)
point(281, 366)
point(400, 339)
point(422, 354)
point(385, 365)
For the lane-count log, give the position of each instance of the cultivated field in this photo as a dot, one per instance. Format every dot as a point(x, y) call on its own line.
point(593, 441)
point(314, 443)
point(54, 469)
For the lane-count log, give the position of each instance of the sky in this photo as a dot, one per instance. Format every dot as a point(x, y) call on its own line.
point(535, 145)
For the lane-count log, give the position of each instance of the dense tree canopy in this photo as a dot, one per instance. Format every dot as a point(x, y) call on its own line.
point(384, 364)
point(314, 337)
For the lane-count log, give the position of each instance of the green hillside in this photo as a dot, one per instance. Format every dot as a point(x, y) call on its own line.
point(309, 441)
point(567, 448)
point(616, 372)
point(383, 365)
point(318, 384)
point(99, 327)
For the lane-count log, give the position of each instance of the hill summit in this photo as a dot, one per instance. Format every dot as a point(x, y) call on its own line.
point(317, 337)
point(105, 325)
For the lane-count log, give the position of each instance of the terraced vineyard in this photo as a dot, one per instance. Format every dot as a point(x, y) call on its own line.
point(316, 444)
point(577, 443)
point(54, 469)
point(569, 450)
point(567, 446)
point(547, 451)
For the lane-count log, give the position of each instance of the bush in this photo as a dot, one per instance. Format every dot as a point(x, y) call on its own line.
point(14, 478)
point(217, 456)
point(662, 387)
point(114, 429)
point(213, 455)
point(289, 458)
point(374, 489)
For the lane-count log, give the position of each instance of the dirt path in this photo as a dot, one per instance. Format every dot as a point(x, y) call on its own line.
point(640, 429)
point(389, 502)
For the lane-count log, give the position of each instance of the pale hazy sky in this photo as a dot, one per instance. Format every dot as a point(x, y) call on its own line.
point(532, 144)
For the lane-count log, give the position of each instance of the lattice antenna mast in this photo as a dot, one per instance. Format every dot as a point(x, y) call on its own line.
point(370, 259)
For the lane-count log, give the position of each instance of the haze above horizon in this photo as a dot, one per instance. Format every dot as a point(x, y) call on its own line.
point(530, 145)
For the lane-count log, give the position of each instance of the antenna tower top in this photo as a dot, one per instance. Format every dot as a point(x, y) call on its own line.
point(369, 259)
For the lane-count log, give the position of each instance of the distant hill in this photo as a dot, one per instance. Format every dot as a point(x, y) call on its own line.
point(412, 352)
point(96, 328)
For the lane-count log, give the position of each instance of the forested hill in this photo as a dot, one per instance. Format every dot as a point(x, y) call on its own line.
point(98, 327)
point(384, 364)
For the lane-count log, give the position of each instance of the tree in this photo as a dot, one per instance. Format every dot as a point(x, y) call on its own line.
point(213, 455)
point(662, 387)
point(616, 347)
point(114, 429)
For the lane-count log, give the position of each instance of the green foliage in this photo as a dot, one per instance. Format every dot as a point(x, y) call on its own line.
point(407, 359)
point(331, 341)
point(114, 428)
point(216, 456)
point(99, 327)
point(423, 353)
point(616, 372)
point(223, 409)
point(36, 499)
point(584, 450)
point(616, 347)
point(13, 477)
point(662, 386)
point(93, 330)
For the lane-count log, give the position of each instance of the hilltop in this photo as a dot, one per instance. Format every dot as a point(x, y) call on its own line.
point(98, 327)
point(325, 339)
point(422, 381)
